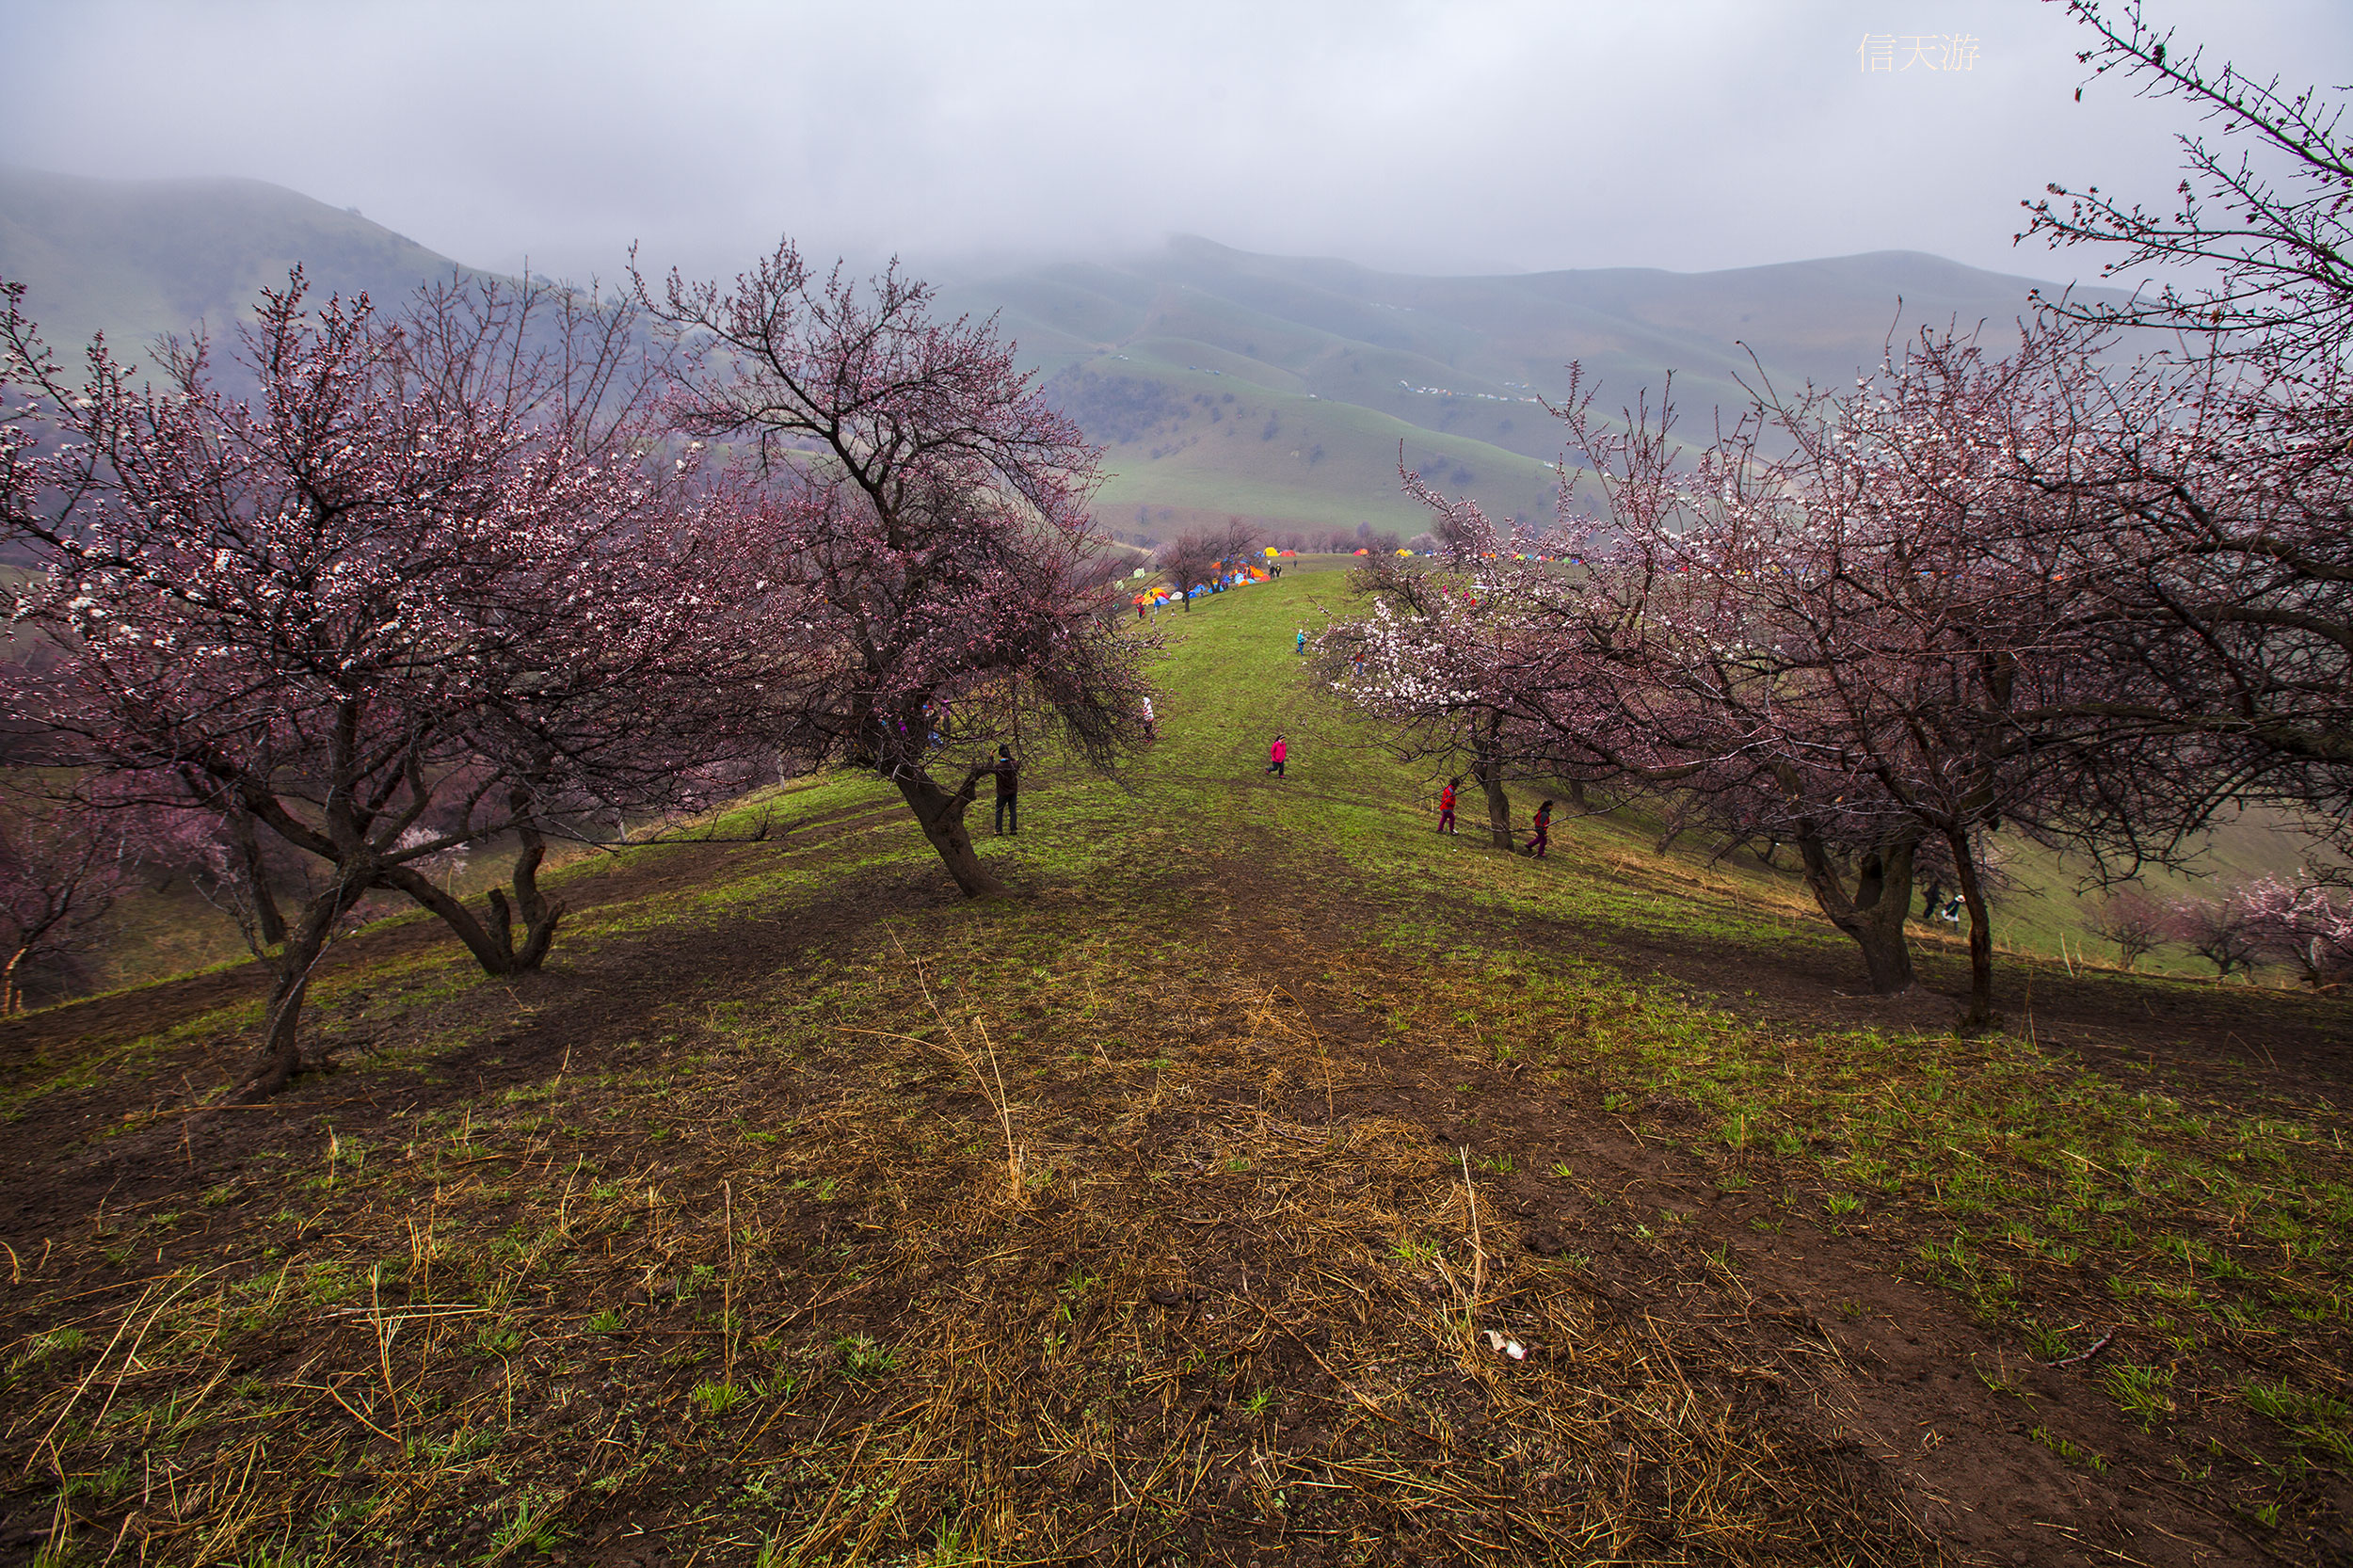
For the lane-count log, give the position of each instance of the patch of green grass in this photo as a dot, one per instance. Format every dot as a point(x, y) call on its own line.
point(2145, 1394)
point(863, 1357)
point(2317, 1421)
point(2069, 1450)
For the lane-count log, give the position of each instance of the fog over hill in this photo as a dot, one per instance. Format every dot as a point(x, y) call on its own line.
point(1279, 386)
point(142, 257)
point(1222, 383)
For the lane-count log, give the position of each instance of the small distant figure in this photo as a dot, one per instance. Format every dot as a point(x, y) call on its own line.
point(1446, 805)
point(1274, 754)
point(1932, 903)
point(1300, 646)
point(1008, 791)
point(1150, 733)
point(1952, 911)
point(1544, 831)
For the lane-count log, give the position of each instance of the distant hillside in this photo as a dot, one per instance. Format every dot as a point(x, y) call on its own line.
point(143, 257)
point(1281, 388)
point(1222, 383)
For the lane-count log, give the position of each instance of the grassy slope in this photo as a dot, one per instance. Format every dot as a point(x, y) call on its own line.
point(848, 1249)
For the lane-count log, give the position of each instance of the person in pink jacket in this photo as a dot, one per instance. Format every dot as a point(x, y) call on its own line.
point(1274, 754)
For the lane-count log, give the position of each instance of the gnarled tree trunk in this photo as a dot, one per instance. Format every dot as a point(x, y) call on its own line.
point(1980, 1013)
point(1873, 913)
point(1487, 768)
point(941, 814)
point(306, 943)
point(492, 941)
point(269, 924)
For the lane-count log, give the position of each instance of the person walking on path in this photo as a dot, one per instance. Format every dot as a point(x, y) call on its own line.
point(1446, 805)
point(1544, 831)
point(1149, 733)
point(1008, 791)
point(1274, 754)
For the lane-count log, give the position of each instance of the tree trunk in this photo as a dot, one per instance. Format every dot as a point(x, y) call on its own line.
point(11, 999)
point(1487, 768)
point(492, 943)
point(941, 815)
point(539, 916)
point(269, 924)
point(282, 1053)
point(1874, 914)
point(1980, 1013)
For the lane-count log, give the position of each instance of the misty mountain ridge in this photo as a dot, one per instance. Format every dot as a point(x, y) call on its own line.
point(140, 258)
point(1221, 383)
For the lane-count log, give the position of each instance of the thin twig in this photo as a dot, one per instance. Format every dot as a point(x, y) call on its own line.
point(2098, 1345)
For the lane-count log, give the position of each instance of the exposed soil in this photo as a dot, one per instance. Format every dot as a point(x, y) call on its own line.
point(1816, 1339)
point(1892, 1360)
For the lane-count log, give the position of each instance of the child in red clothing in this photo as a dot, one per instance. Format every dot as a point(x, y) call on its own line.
point(1544, 831)
point(1446, 805)
point(1274, 754)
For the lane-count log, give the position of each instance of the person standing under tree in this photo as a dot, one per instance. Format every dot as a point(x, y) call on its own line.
point(1544, 831)
point(1008, 791)
point(1446, 805)
point(1274, 754)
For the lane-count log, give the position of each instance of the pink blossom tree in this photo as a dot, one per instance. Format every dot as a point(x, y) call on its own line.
point(2136, 923)
point(400, 600)
point(2217, 930)
point(926, 514)
point(1838, 626)
point(2215, 502)
point(61, 870)
point(2306, 923)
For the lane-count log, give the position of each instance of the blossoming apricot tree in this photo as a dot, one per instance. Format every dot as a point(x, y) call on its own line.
point(926, 513)
point(392, 604)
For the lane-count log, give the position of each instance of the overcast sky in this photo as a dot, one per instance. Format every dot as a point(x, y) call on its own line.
point(1470, 135)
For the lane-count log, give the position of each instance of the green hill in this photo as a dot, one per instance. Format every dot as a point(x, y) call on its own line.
point(1283, 389)
point(1222, 383)
point(140, 258)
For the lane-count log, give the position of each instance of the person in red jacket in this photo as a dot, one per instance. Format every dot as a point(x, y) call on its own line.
point(1446, 805)
point(1274, 754)
point(1544, 831)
